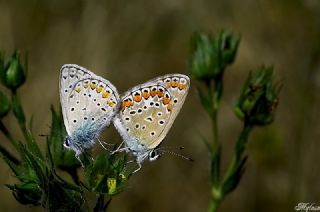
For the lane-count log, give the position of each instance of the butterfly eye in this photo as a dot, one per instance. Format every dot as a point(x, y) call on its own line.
point(66, 142)
point(153, 155)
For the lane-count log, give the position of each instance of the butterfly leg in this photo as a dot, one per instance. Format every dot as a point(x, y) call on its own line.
point(139, 164)
point(78, 153)
point(119, 149)
point(103, 145)
point(106, 143)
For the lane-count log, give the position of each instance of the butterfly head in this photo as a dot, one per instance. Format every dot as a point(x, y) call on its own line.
point(67, 143)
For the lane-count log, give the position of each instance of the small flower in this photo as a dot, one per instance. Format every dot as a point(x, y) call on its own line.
point(259, 98)
point(210, 55)
point(12, 75)
point(4, 105)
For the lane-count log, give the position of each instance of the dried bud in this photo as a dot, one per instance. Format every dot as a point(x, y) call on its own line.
point(259, 98)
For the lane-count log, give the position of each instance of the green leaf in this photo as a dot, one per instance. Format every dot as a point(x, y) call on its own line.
point(35, 163)
point(11, 161)
point(232, 181)
point(26, 193)
point(206, 101)
point(62, 158)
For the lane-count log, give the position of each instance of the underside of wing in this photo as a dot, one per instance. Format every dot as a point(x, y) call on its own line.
point(86, 99)
point(148, 110)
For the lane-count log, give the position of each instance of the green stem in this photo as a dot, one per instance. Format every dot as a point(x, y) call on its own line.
point(215, 93)
point(239, 149)
point(216, 198)
point(20, 116)
point(213, 205)
point(100, 204)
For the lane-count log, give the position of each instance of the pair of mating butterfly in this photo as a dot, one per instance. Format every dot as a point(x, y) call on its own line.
point(143, 115)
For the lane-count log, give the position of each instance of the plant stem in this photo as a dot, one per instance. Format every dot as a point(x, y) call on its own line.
point(99, 204)
point(20, 116)
point(215, 93)
point(213, 205)
point(216, 98)
point(239, 149)
point(217, 193)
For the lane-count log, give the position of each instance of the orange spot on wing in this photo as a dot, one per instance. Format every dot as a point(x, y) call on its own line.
point(111, 103)
point(137, 98)
point(182, 86)
point(169, 107)
point(99, 89)
point(105, 94)
point(127, 103)
point(166, 100)
point(167, 84)
point(160, 93)
point(153, 92)
point(86, 85)
point(93, 86)
point(146, 95)
point(174, 84)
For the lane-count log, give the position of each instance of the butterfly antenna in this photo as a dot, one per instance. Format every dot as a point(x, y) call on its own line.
point(171, 147)
point(176, 154)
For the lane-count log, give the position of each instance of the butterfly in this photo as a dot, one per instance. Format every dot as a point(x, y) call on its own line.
point(148, 112)
point(89, 103)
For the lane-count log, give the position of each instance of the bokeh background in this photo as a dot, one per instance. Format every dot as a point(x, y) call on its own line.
point(129, 42)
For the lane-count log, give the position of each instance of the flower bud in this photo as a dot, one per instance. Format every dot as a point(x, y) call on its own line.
point(259, 98)
point(4, 105)
point(12, 74)
point(228, 45)
point(210, 55)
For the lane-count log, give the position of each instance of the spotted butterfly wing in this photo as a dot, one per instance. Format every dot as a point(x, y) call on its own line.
point(88, 102)
point(148, 112)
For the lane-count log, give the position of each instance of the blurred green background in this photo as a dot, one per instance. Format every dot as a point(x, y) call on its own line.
point(130, 42)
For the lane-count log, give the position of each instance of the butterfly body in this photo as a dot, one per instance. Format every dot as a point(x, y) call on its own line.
point(148, 112)
point(88, 102)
